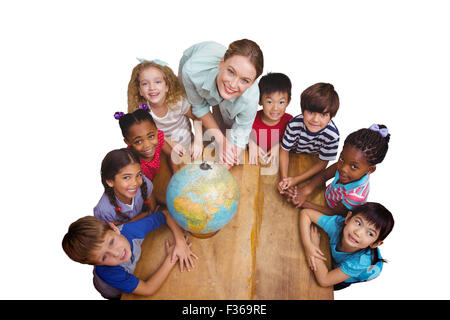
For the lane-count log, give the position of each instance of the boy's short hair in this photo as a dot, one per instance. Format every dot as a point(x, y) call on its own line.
point(320, 97)
point(274, 82)
point(84, 235)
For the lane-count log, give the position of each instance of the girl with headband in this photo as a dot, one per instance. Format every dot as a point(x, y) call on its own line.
point(154, 86)
point(224, 79)
point(362, 151)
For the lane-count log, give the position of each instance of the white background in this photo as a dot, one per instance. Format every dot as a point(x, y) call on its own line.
point(64, 71)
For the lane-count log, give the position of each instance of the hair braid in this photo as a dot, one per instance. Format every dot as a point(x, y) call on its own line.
point(112, 199)
point(371, 143)
point(144, 191)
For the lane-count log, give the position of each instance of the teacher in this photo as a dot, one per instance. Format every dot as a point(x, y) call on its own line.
point(214, 76)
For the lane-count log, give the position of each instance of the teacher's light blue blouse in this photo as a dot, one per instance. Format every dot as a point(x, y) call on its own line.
point(198, 71)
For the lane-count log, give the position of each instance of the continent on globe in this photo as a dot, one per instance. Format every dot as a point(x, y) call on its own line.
point(202, 198)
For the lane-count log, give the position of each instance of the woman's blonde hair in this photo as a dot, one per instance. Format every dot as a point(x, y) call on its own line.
point(174, 94)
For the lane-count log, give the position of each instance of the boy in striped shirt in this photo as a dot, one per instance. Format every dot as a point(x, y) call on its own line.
point(311, 132)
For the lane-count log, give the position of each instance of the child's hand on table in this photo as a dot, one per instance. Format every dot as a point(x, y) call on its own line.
point(183, 253)
point(284, 185)
point(313, 251)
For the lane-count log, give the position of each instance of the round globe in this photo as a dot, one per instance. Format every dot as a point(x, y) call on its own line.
point(202, 198)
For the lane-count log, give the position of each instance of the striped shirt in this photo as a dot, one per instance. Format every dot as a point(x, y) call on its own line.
point(298, 139)
point(351, 195)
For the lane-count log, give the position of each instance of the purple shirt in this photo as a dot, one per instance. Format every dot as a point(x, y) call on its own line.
point(105, 211)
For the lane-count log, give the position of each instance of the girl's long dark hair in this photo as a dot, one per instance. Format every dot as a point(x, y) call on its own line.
point(113, 162)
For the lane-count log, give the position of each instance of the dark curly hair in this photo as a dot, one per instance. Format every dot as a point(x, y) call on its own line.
point(138, 116)
point(371, 143)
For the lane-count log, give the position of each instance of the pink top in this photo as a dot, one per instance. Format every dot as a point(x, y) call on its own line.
point(351, 195)
point(150, 168)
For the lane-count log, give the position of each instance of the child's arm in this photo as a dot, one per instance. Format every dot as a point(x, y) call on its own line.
point(324, 277)
point(167, 149)
point(197, 147)
point(311, 241)
point(253, 151)
point(152, 284)
point(181, 250)
point(339, 209)
point(270, 155)
point(316, 168)
point(284, 166)
point(298, 196)
point(175, 146)
point(312, 251)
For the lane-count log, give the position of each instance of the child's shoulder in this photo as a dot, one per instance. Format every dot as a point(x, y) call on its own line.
point(331, 222)
point(332, 127)
point(104, 210)
point(287, 117)
point(139, 229)
point(181, 106)
point(332, 225)
point(296, 123)
point(296, 119)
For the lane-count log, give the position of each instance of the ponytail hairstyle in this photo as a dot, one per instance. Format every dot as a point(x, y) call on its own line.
point(136, 117)
point(113, 162)
point(373, 142)
point(382, 219)
point(249, 49)
point(173, 95)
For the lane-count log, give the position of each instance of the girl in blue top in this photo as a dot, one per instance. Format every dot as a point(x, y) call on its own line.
point(213, 75)
point(354, 243)
point(128, 198)
point(128, 193)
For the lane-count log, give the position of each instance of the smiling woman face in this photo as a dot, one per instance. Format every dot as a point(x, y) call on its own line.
point(236, 74)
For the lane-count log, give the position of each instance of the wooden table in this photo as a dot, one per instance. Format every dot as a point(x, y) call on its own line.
point(258, 255)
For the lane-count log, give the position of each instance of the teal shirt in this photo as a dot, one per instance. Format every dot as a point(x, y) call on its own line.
point(198, 70)
point(357, 265)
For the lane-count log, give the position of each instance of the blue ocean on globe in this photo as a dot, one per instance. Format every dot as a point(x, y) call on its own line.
point(202, 197)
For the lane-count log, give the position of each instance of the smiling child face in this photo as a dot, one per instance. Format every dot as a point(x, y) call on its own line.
point(316, 121)
point(274, 106)
point(113, 251)
point(236, 74)
point(152, 86)
point(359, 234)
point(127, 182)
point(143, 138)
point(352, 164)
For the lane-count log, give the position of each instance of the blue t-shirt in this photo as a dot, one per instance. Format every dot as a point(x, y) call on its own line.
point(105, 211)
point(357, 265)
point(121, 277)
